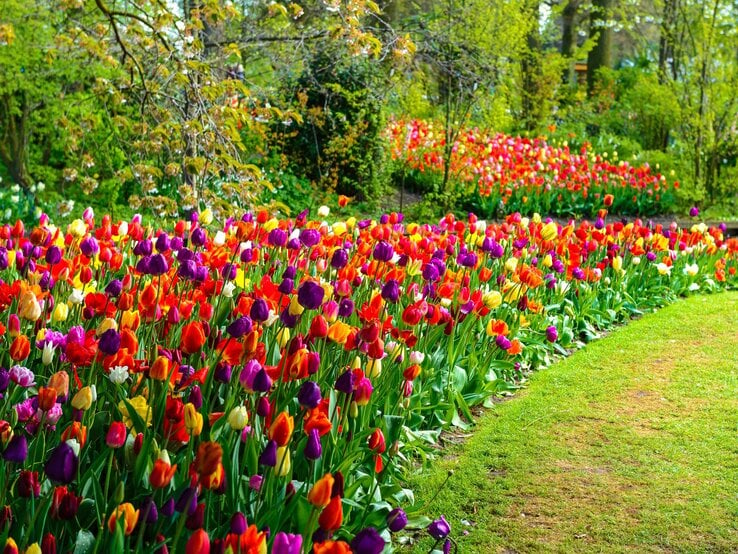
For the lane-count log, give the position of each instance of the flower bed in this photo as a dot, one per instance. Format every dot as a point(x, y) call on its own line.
point(261, 385)
point(505, 174)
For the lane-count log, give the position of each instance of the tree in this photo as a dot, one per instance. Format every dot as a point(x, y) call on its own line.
point(600, 31)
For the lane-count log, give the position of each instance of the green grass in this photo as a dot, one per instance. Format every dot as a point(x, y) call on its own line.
point(629, 445)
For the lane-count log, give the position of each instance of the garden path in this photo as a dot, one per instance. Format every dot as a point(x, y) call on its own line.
point(629, 445)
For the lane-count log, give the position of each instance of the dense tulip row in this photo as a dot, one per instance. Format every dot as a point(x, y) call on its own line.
point(502, 173)
point(261, 385)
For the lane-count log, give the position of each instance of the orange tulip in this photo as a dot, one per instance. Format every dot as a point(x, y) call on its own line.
point(199, 543)
point(125, 513)
point(331, 547)
point(281, 429)
point(76, 431)
point(60, 383)
point(193, 337)
point(161, 474)
point(209, 456)
point(320, 495)
point(20, 348)
point(331, 517)
point(46, 398)
point(160, 369)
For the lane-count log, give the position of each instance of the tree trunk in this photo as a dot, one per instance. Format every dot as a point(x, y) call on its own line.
point(14, 139)
point(666, 40)
point(530, 66)
point(569, 38)
point(599, 29)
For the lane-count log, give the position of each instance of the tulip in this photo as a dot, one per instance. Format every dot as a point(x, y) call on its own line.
point(439, 528)
point(238, 418)
point(28, 306)
point(160, 369)
point(16, 450)
point(310, 295)
point(320, 495)
point(281, 429)
point(396, 520)
point(286, 543)
point(162, 473)
point(20, 348)
point(331, 517)
point(125, 514)
point(309, 395)
point(368, 541)
point(28, 484)
point(193, 337)
point(313, 448)
point(193, 420)
point(117, 434)
point(61, 465)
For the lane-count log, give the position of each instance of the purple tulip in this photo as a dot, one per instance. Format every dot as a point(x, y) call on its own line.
point(269, 455)
point(238, 523)
point(158, 265)
point(198, 237)
point(310, 295)
point(287, 319)
point(195, 397)
point(368, 541)
point(229, 272)
point(61, 466)
point(239, 327)
point(551, 333)
point(313, 448)
point(391, 291)
point(167, 509)
point(339, 259)
point(187, 501)
point(430, 272)
point(149, 512)
point(309, 395)
point(439, 528)
point(397, 520)
point(345, 382)
point(277, 237)
point(4, 378)
point(223, 372)
point(53, 255)
point(383, 251)
point(262, 381)
point(503, 342)
point(143, 265)
point(89, 247)
point(143, 248)
point(162, 243)
point(346, 307)
point(259, 310)
point(114, 288)
point(17, 450)
point(694, 211)
point(286, 286)
point(287, 543)
point(309, 237)
point(109, 342)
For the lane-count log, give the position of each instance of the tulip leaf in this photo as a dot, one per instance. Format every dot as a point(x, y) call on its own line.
point(84, 543)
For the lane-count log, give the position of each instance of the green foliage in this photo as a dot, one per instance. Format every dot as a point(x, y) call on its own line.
point(338, 146)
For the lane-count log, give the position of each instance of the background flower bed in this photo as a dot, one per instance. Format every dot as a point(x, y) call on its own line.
point(264, 383)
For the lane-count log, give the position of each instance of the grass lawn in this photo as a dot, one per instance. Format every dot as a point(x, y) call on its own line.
point(629, 445)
